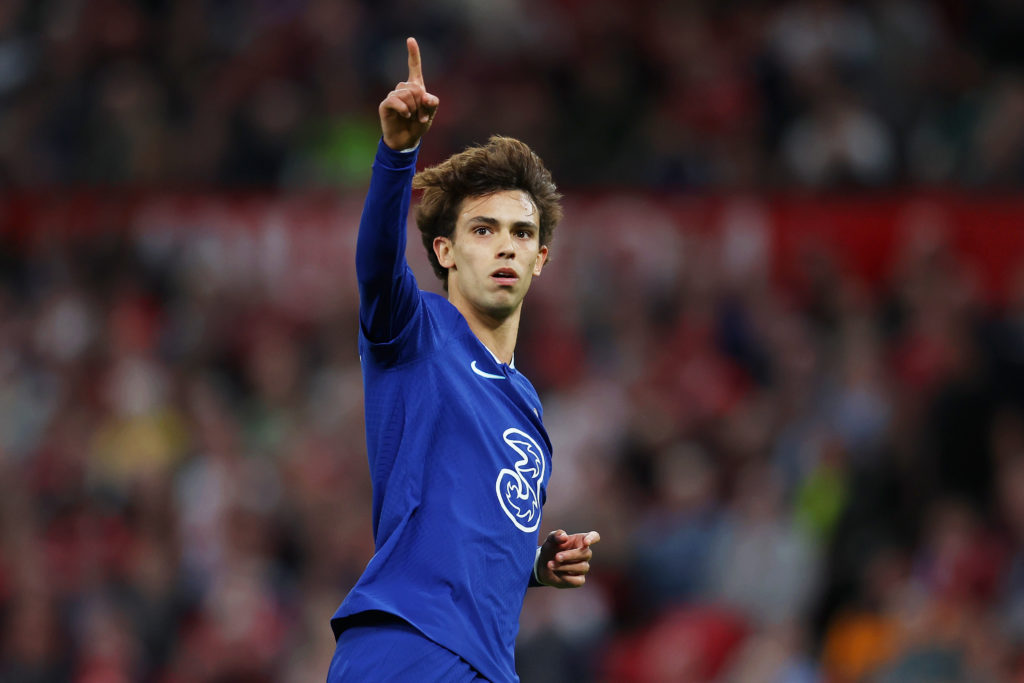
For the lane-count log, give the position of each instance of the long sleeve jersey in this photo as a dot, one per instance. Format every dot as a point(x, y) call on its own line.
point(458, 453)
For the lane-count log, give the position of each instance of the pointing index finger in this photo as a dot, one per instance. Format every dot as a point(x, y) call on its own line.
point(415, 66)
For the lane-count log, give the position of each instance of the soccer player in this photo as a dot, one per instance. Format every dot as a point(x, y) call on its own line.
point(458, 453)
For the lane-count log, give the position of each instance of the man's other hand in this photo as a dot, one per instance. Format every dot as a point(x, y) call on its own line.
point(564, 559)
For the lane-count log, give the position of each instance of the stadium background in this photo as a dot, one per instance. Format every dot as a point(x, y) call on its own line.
point(780, 345)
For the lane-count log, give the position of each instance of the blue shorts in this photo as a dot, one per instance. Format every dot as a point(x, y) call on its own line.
point(381, 647)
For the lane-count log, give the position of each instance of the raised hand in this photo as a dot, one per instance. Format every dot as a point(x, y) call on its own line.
point(408, 110)
point(564, 559)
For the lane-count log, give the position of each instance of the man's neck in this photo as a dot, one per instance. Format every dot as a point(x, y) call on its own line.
point(499, 335)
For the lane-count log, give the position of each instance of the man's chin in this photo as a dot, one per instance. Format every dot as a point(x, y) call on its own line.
point(503, 304)
point(495, 302)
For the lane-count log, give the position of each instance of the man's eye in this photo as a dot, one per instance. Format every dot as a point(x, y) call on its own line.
point(523, 234)
point(481, 230)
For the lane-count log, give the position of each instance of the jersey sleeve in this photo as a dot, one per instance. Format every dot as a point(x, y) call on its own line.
point(388, 293)
point(534, 581)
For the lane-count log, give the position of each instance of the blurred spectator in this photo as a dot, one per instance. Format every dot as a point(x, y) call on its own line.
point(838, 142)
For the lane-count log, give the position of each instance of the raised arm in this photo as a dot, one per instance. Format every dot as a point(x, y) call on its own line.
point(388, 294)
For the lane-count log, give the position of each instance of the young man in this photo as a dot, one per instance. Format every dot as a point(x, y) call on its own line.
point(458, 453)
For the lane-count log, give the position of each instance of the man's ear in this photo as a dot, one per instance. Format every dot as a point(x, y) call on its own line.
point(444, 251)
point(542, 257)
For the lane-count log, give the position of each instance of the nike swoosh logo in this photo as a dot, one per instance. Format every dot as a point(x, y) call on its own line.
point(474, 368)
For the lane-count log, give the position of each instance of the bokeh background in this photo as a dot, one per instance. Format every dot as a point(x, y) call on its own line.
point(780, 344)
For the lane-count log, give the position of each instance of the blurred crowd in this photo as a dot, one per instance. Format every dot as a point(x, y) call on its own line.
point(815, 480)
point(701, 93)
point(811, 480)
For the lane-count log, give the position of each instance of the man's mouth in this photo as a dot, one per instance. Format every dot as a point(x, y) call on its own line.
point(505, 276)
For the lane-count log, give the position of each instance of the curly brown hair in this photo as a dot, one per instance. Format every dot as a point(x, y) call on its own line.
point(502, 164)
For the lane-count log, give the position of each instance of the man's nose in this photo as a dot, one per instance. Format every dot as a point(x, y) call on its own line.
point(506, 245)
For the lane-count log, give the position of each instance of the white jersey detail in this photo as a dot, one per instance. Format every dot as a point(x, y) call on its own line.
point(519, 489)
point(474, 368)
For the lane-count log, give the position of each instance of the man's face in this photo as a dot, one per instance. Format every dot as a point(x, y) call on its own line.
point(494, 252)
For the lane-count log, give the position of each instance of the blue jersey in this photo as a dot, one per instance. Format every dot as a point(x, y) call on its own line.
point(458, 453)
